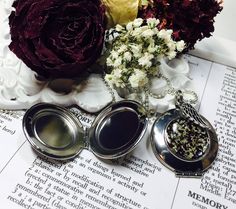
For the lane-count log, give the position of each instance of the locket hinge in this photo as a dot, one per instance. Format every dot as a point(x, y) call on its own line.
point(188, 174)
point(85, 139)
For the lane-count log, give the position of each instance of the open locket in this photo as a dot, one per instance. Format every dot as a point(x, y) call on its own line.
point(57, 133)
point(182, 140)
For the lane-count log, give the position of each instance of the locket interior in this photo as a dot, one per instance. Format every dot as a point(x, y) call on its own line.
point(57, 133)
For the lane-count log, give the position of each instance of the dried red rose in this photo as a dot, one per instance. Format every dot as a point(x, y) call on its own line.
point(57, 38)
point(190, 20)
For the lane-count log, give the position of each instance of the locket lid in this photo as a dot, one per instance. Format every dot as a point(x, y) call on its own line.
point(183, 146)
point(57, 133)
point(118, 129)
point(53, 131)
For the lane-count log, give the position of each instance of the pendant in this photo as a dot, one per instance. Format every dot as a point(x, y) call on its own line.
point(184, 141)
point(55, 132)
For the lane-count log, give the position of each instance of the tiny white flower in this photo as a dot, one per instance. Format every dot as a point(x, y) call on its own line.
point(147, 33)
point(138, 79)
point(136, 49)
point(108, 78)
point(171, 55)
point(180, 45)
point(129, 26)
point(136, 32)
point(117, 62)
point(122, 49)
point(109, 62)
point(152, 48)
point(169, 32)
point(117, 72)
point(152, 22)
point(171, 45)
point(114, 54)
point(119, 27)
point(137, 22)
point(127, 56)
point(145, 60)
point(163, 34)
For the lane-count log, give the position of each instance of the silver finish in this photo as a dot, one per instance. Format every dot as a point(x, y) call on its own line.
point(188, 111)
point(182, 167)
point(57, 133)
point(124, 123)
point(53, 131)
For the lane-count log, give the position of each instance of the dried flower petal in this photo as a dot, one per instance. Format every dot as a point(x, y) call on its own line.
point(190, 20)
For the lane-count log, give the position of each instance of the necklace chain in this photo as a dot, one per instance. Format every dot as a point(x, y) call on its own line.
point(110, 90)
point(147, 93)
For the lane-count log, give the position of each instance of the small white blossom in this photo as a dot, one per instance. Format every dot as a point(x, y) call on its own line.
point(171, 55)
point(180, 45)
point(136, 49)
point(117, 72)
point(163, 34)
point(152, 48)
point(147, 33)
point(108, 78)
point(138, 79)
point(127, 56)
point(117, 62)
point(114, 54)
point(152, 22)
point(171, 45)
point(129, 26)
point(119, 28)
point(137, 22)
point(136, 32)
point(145, 60)
point(122, 49)
point(109, 62)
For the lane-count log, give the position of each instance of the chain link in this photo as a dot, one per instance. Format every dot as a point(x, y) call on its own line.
point(110, 90)
point(147, 93)
point(172, 91)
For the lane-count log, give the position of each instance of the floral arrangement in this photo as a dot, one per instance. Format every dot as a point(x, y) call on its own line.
point(136, 52)
point(64, 38)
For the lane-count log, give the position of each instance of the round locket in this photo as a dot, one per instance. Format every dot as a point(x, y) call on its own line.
point(182, 144)
point(57, 133)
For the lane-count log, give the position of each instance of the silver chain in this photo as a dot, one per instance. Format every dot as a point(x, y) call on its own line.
point(172, 91)
point(147, 93)
point(110, 90)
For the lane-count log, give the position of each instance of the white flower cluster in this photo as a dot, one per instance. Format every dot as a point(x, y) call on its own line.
point(136, 52)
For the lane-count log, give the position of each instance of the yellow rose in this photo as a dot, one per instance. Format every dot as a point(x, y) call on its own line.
point(120, 11)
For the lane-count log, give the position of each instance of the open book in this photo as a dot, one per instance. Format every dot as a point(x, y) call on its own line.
point(140, 180)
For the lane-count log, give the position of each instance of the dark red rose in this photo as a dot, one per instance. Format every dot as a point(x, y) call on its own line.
point(57, 38)
point(190, 20)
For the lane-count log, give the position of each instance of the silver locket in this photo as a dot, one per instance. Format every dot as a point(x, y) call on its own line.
point(57, 133)
point(181, 139)
point(184, 141)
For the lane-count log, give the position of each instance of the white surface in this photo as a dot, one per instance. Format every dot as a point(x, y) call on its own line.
point(221, 47)
point(225, 21)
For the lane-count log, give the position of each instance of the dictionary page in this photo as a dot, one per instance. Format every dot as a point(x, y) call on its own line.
point(217, 188)
point(29, 181)
point(139, 180)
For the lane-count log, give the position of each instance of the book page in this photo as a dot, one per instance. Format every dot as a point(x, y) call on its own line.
point(139, 180)
point(217, 188)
